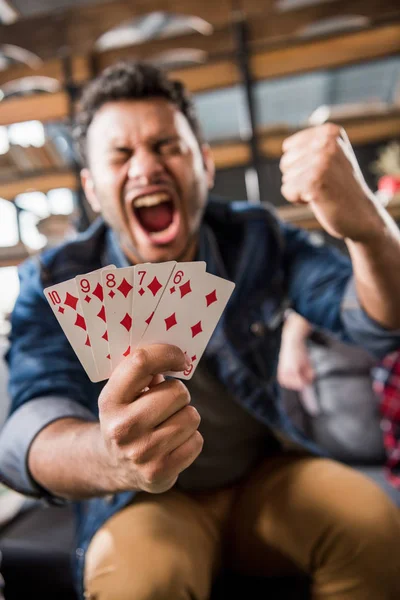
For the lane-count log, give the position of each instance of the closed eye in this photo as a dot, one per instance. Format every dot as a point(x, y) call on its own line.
point(168, 146)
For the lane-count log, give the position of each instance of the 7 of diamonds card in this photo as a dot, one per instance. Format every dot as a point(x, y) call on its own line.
point(149, 283)
point(65, 304)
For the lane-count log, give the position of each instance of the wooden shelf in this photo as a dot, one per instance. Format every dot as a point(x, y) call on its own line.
point(303, 217)
point(39, 182)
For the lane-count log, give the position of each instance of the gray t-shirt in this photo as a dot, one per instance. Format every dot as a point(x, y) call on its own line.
point(234, 440)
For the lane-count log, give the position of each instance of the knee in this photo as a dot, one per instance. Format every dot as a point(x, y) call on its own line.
point(152, 577)
point(365, 523)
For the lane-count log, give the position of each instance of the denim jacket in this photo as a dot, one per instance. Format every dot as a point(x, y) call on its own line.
point(274, 266)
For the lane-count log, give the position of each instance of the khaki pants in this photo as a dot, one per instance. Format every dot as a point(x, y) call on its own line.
point(292, 513)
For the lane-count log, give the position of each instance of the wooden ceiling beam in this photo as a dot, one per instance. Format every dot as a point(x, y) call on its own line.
point(325, 53)
point(361, 130)
point(40, 107)
point(79, 27)
point(38, 183)
point(278, 26)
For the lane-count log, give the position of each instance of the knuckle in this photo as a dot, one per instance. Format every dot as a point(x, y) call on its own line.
point(140, 359)
point(154, 473)
point(114, 430)
point(198, 441)
point(180, 391)
point(331, 129)
point(192, 415)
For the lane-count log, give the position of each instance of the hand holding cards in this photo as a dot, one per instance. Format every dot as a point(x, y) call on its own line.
point(108, 313)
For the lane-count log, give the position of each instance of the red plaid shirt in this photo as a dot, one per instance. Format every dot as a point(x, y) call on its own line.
point(387, 385)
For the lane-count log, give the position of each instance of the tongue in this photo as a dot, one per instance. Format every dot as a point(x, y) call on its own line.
point(156, 218)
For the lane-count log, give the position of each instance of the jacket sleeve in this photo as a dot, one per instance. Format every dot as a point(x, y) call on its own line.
point(46, 382)
point(321, 288)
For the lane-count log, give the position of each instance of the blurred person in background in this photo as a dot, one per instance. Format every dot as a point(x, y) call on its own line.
point(386, 377)
point(165, 500)
point(328, 391)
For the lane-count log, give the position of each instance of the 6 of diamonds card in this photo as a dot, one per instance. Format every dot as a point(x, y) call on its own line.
point(188, 312)
point(65, 304)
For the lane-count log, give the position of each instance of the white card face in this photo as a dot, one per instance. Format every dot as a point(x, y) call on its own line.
point(189, 312)
point(149, 282)
point(65, 304)
point(91, 296)
point(118, 292)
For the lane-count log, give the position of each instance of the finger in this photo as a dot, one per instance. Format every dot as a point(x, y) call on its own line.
point(156, 405)
point(181, 458)
point(317, 136)
point(137, 371)
point(176, 430)
point(293, 193)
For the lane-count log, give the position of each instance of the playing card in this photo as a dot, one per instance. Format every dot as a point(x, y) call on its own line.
point(118, 292)
point(91, 296)
point(189, 312)
point(149, 283)
point(65, 304)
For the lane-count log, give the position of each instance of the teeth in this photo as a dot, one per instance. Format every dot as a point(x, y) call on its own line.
point(151, 200)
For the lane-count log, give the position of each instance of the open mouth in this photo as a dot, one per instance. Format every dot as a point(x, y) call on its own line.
point(157, 215)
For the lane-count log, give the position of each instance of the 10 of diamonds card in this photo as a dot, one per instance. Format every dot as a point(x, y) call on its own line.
point(108, 313)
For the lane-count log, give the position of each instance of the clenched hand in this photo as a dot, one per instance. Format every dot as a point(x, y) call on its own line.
point(147, 424)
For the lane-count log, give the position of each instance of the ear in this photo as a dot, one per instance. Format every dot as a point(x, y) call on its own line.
point(209, 164)
point(88, 188)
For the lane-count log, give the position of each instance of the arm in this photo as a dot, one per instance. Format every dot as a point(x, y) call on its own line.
point(295, 370)
point(143, 441)
point(320, 169)
point(53, 427)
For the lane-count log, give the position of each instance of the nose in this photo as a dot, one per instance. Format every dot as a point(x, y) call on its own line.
point(145, 166)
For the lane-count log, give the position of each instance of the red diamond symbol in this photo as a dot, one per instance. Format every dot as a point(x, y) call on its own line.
point(127, 351)
point(111, 294)
point(87, 299)
point(71, 301)
point(98, 292)
point(105, 335)
point(154, 286)
point(102, 314)
point(124, 287)
point(80, 321)
point(196, 329)
point(172, 290)
point(141, 291)
point(148, 320)
point(126, 322)
point(170, 321)
point(185, 288)
point(61, 310)
point(87, 343)
point(194, 357)
point(108, 356)
point(211, 297)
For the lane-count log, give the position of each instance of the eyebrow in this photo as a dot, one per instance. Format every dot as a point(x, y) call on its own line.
point(122, 146)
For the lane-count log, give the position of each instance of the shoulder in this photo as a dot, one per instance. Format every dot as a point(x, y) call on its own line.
point(79, 255)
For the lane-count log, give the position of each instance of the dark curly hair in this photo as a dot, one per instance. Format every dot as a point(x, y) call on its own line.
point(130, 81)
